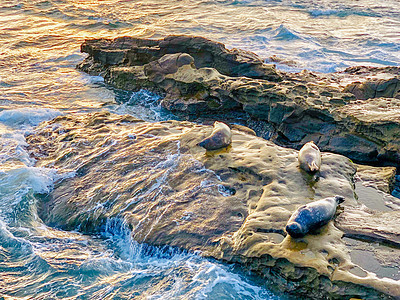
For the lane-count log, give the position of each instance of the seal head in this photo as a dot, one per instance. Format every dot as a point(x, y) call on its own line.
point(295, 230)
point(339, 199)
point(310, 157)
point(220, 137)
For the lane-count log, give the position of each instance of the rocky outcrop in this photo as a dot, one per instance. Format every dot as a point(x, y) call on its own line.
point(374, 82)
point(131, 51)
point(230, 204)
point(354, 112)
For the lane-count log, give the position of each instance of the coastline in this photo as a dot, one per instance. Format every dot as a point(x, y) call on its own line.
point(310, 266)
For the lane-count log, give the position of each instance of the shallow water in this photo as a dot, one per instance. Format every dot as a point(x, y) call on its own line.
point(39, 48)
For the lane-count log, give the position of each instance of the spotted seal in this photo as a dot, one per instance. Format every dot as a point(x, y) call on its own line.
point(220, 137)
point(309, 217)
point(310, 157)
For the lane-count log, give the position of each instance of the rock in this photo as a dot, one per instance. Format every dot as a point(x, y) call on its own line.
point(206, 53)
point(381, 178)
point(231, 205)
point(373, 185)
point(366, 224)
point(373, 239)
point(375, 82)
point(354, 113)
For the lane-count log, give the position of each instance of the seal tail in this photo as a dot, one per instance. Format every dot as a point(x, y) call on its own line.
point(339, 199)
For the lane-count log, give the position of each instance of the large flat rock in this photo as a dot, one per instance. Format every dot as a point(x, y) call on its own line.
point(231, 204)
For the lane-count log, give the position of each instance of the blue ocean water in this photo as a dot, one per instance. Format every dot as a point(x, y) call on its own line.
point(39, 49)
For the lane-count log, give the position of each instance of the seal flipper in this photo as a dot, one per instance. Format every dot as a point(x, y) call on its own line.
point(313, 166)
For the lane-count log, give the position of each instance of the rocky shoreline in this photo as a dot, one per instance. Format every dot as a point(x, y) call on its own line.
point(230, 204)
point(354, 112)
point(233, 204)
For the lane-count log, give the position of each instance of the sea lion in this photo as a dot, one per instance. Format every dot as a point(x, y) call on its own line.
point(220, 137)
point(310, 157)
point(312, 216)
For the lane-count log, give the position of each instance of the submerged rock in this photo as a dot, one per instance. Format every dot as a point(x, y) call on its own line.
point(354, 112)
point(231, 204)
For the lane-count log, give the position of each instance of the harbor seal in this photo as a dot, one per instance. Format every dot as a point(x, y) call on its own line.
point(220, 137)
point(310, 157)
point(312, 216)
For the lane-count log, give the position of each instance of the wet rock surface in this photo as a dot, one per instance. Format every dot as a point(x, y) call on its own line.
point(354, 112)
point(231, 204)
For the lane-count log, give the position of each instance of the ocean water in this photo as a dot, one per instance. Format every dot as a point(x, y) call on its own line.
point(39, 48)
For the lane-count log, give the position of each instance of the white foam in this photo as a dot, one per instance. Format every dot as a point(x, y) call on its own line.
point(13, 143)
point(14, 125)
point(27, 117)
point(214, 278)
point(40, 180)
point(203, 279)
point(16, 246)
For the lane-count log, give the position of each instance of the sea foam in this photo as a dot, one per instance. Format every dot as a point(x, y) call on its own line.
point(27, 117)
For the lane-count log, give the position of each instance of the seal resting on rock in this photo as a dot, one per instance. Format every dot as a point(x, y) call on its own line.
point(312, 216)
point(310, 157)
point(220, 137)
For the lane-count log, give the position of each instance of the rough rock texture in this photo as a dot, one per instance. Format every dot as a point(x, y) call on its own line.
point(136, 52)
point(371, 225)
point(375, 82)
point(230, 204)
point(355, 112)
point(380, 178)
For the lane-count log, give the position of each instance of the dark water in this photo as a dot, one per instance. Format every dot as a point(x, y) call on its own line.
point(39, 48)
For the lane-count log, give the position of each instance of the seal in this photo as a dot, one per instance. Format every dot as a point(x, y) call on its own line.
point(310, 157)
point(220, 137)
point(308, 218)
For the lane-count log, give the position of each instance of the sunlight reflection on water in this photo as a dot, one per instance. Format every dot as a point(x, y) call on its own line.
point(39, 49)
